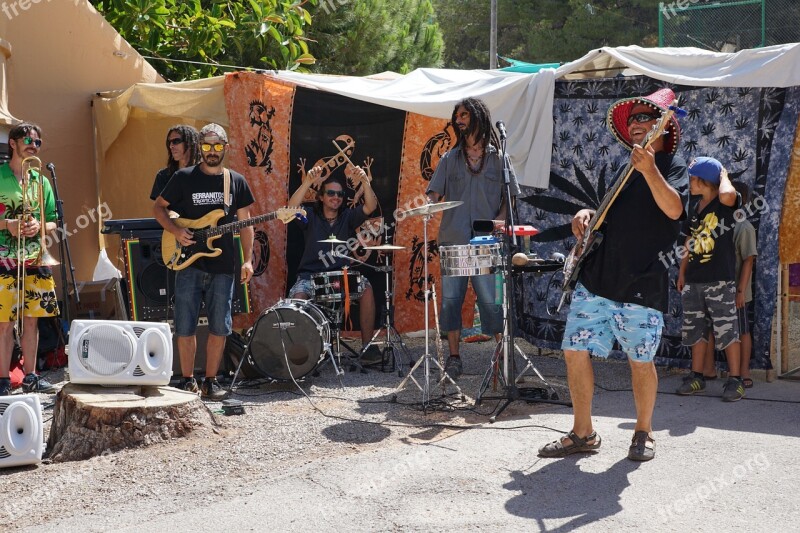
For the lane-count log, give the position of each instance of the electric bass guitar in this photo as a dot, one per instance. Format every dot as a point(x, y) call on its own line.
point(592, 236)
point(205, 232)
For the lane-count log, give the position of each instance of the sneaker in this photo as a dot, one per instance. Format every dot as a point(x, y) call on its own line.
point(691, 385)
point(189, 385)
point(454, 367)
point(733, 391)
point(372, 356)
point(34, 383)
point(5, 386)
point(211, 390)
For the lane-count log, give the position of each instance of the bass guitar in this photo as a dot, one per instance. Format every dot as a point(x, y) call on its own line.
point(592, 236)
point(205, 232)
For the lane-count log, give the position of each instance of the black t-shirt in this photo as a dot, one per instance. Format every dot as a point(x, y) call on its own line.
point(712, 252)
point(162, 178)
point(192, 194)
point(637, 235)
point(317, 229)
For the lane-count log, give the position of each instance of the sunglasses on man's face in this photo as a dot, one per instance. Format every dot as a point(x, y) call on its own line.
point(30, 140)
point(641, 118)
point(176, 140)
point(332, 193)
point(218, 147)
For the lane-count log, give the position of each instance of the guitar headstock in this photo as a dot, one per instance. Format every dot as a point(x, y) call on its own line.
point(663, 122)
point(287, 214)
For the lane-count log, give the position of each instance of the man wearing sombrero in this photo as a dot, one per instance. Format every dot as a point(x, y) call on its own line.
point(622, 288)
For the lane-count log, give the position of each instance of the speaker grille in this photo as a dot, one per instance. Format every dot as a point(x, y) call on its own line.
point(106, 350)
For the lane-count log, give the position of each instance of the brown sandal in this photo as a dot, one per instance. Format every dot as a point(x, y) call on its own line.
point(558, 449)
point(643, 447)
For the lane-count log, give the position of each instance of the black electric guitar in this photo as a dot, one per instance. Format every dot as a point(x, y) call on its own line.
point(592, 236)
point(206, 231)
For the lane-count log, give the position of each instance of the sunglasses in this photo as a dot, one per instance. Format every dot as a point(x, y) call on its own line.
point(176, 140)
point(332, 193)
point(36, 142)
point(641, 118)
point(218, 147)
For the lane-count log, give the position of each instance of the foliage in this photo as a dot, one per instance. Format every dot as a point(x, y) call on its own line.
point(262, 34)
point(543, 31)
point(361, 37)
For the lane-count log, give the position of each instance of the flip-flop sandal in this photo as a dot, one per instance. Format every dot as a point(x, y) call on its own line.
point(643, 447)
point(747, 382)
point(579, 445)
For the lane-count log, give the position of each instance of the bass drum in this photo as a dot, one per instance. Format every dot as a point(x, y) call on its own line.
point(289, 340)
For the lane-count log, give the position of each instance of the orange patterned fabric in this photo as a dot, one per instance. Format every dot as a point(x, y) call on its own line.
point(425, 141)
point(260, 117)
point(789, 239)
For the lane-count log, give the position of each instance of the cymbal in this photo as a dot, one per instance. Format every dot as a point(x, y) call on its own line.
point(429, 209)
point(332, 240)
point(385, 247)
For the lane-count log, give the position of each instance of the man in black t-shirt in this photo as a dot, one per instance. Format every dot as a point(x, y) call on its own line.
point(622, 288)
point(192, 193)
point(329, 217)
point(707, 278)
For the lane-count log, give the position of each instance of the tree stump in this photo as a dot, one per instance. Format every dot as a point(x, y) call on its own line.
point(90, 419)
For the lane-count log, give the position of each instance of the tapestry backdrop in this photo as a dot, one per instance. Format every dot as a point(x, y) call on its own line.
point(282, 131)
point(750, 131)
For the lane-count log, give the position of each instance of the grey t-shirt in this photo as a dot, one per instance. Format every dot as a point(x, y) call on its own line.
point(744, 240)
point(481, 193)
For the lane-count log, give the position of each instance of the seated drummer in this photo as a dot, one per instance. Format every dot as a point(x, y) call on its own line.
point(329, 218)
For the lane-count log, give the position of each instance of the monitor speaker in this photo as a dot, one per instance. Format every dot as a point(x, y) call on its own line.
point(21, 430)
point(116, 352)
point(151, 285)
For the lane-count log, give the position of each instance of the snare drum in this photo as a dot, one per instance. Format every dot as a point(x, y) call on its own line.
point(469, 259)
point(330, 286)
point(289, 340)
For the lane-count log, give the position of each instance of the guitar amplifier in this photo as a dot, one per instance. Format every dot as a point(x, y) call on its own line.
point(151, 285)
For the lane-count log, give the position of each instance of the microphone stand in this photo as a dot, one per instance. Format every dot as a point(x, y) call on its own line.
point(63, 248)
point(510, 246)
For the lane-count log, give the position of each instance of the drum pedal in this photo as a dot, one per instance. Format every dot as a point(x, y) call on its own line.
point(232, 407)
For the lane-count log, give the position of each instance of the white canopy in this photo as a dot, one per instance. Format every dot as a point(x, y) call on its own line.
point(523, 101)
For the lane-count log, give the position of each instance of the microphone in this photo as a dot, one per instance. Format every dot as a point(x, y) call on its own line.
point(501, 128)
point(556, 256)
point(51, 167)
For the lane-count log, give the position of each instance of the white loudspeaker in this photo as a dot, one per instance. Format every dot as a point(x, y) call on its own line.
point(21, 431)
point(117, 352)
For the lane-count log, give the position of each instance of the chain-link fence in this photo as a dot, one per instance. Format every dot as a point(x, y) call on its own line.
point(728, 25)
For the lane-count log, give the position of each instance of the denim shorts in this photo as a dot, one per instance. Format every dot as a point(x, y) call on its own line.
point(707, 307)
point(194, 287)
point(595, 322)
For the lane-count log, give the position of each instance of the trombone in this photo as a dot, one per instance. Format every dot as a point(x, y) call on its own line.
point(33, 200)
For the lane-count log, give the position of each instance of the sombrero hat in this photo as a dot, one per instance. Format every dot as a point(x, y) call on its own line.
point(660, 100)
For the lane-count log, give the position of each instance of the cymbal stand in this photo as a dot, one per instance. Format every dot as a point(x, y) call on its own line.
point(393, 340)
point(427, 358)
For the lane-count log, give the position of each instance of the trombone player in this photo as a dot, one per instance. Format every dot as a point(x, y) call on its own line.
point(27, 288)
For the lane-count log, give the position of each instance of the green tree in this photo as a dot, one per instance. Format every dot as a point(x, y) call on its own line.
point(211, 34)
point(361, 37)
point(543, 31)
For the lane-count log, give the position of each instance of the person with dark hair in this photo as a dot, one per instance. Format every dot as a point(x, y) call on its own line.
point(471, 172)
point(183, 150)
point(330, 218)
point(622, 290)
point(38, 287)
point(194, 192)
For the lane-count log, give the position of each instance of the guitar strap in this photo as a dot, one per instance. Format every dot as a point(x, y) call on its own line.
point(226, 189)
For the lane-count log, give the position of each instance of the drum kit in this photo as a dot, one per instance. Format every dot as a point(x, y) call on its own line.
point(292, 338)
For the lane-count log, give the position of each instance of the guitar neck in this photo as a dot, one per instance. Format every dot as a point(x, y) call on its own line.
point(239, 224)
